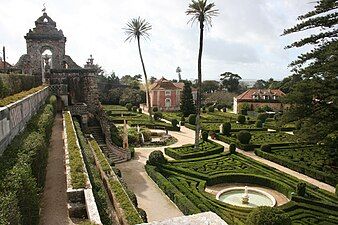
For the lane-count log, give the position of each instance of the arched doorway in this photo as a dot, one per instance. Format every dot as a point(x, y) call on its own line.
point(167, 103)
point(46, 61)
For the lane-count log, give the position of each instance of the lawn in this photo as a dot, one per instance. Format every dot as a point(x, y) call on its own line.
point(184, 182)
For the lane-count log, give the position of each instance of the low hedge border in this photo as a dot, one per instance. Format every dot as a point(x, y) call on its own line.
point(18, 96)
point(172, 152)
point(229, 140)
point(23, 169)
point(299, 168)
point(164, 126)
point(110, 179)
point(76, 164)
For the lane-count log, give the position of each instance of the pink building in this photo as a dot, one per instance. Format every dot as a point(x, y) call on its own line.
point(166, 95)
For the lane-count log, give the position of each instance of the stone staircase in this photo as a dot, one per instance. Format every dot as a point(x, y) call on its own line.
point(99, 137)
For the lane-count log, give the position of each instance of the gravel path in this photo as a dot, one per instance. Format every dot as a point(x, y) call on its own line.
point(54, 200)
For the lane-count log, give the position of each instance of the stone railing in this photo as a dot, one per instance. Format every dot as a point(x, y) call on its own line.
point(59, 89)
point(78, 109)
point(13, 117)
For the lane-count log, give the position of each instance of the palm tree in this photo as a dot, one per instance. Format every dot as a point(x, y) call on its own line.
point(202, 12)
point(135, 29)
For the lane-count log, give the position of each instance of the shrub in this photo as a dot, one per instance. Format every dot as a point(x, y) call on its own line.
point(155, 109)
point(182, 120)
point(226, 128)
point(219, 107)
point(262, 117)
point(143, 215)
point(244, 137)
point(205, 135)
point(192, 119)
point(134, 108)
point(224, 109)
point(158, 115)
point(174, 122)
point(129, 106)
point(244, 112)
point(241, 119)
point(139, 110)
point(211, 109)
point(301, 189)
point(232, 148)
point(264, 215)
point(259, 124)
point(266, 148)
point(156, 157)
point(204, 110)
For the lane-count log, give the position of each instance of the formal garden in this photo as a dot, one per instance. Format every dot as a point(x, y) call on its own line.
point(184, 181)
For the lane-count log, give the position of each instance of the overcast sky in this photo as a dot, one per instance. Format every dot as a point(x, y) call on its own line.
point(244, 39)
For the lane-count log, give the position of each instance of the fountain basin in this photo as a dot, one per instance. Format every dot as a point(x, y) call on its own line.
point(234, 196)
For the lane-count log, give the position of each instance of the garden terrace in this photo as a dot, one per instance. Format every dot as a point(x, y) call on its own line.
point(184, 181)
point(188, 151)
point(313, 161)
point(121, 198)
point(18, 96)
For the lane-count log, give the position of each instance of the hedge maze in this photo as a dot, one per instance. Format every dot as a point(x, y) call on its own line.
point(184, 182)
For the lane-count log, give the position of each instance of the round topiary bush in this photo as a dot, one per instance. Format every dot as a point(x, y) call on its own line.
point(211, 109)
point(182, 120)
point(155, 109)
point(232, 148)
point(241, 119)
point(156, 157)
point(174, 122)
point(129, 106)
point(226, 128)
point(219, 107)
point(259, 124)
point(262, 117)
point(301, 189)
point(158, 115)
point(192, 119)
point(139, 110)
point(264, 215)
point(244, 137)
point(266, 148)
point(134, 108)
point(224, 109)
point(143, 215)
point(244, 112)
point(205, 135)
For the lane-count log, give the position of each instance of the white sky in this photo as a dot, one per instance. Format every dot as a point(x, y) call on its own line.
point(245, 37)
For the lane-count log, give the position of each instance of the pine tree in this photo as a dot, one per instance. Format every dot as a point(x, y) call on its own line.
point(314, 98)
point(187, 101)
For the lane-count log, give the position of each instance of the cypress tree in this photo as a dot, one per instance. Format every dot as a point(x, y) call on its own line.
point(187, 101)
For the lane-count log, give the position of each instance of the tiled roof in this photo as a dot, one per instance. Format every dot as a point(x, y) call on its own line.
point(163, 84)
point(259, 93)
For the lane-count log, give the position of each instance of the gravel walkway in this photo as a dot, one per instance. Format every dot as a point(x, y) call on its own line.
point(54, 200)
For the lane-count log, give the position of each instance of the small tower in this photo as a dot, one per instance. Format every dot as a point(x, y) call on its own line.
point(178, 71)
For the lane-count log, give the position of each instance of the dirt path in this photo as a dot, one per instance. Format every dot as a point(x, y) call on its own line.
point(54, 200)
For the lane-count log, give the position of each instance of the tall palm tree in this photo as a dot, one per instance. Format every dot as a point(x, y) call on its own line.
point(135, 29)
point(202, 12)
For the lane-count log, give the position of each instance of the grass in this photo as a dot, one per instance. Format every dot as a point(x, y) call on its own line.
point(78, 178)
point(16, 97)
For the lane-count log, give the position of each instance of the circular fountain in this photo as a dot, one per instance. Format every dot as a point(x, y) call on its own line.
point(246, 197)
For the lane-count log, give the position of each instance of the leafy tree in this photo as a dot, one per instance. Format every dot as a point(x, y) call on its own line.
point(187, 102)
point(210, 86)
point(152, 80)
point(132, 81)
point(133, 96)
point(203, 12)
point(137, 28)
point(230, 81)
point(314, 97)
point(260, 84)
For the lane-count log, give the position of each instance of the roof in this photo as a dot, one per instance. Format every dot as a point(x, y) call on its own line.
point(2, 64)
point(248, 95)
point(163, 84)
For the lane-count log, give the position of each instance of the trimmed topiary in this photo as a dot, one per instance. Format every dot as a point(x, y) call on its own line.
point(266, 148)
point(156, 157)
point(182, 120)
point(259, 124)
point(192, 119)
point(244, 137)
point(264, 215)
point(224, 109)
point(219, 107)
point(211, 109)
point(204, 110)
point(205, 135)
point(139, 110)
point(232, 148)
point(129, 106)
point(134, 108)
point(262, 117)
point(301, 189)
point(174, 122)
point(226, 128)
point(158, 115)
point(143, 215)
point(155, 109)
point(241, 119)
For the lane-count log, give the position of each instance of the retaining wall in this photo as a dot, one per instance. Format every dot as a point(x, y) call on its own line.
point(13, 117)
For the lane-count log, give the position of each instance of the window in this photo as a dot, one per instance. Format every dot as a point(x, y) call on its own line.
point(167, 92)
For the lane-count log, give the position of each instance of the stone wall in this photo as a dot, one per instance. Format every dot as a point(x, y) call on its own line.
point(13, 117)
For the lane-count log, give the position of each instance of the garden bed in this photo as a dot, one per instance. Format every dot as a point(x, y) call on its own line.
point(188, 151)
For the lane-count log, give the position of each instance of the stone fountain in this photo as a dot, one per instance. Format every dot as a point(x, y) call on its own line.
point(245, 197)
